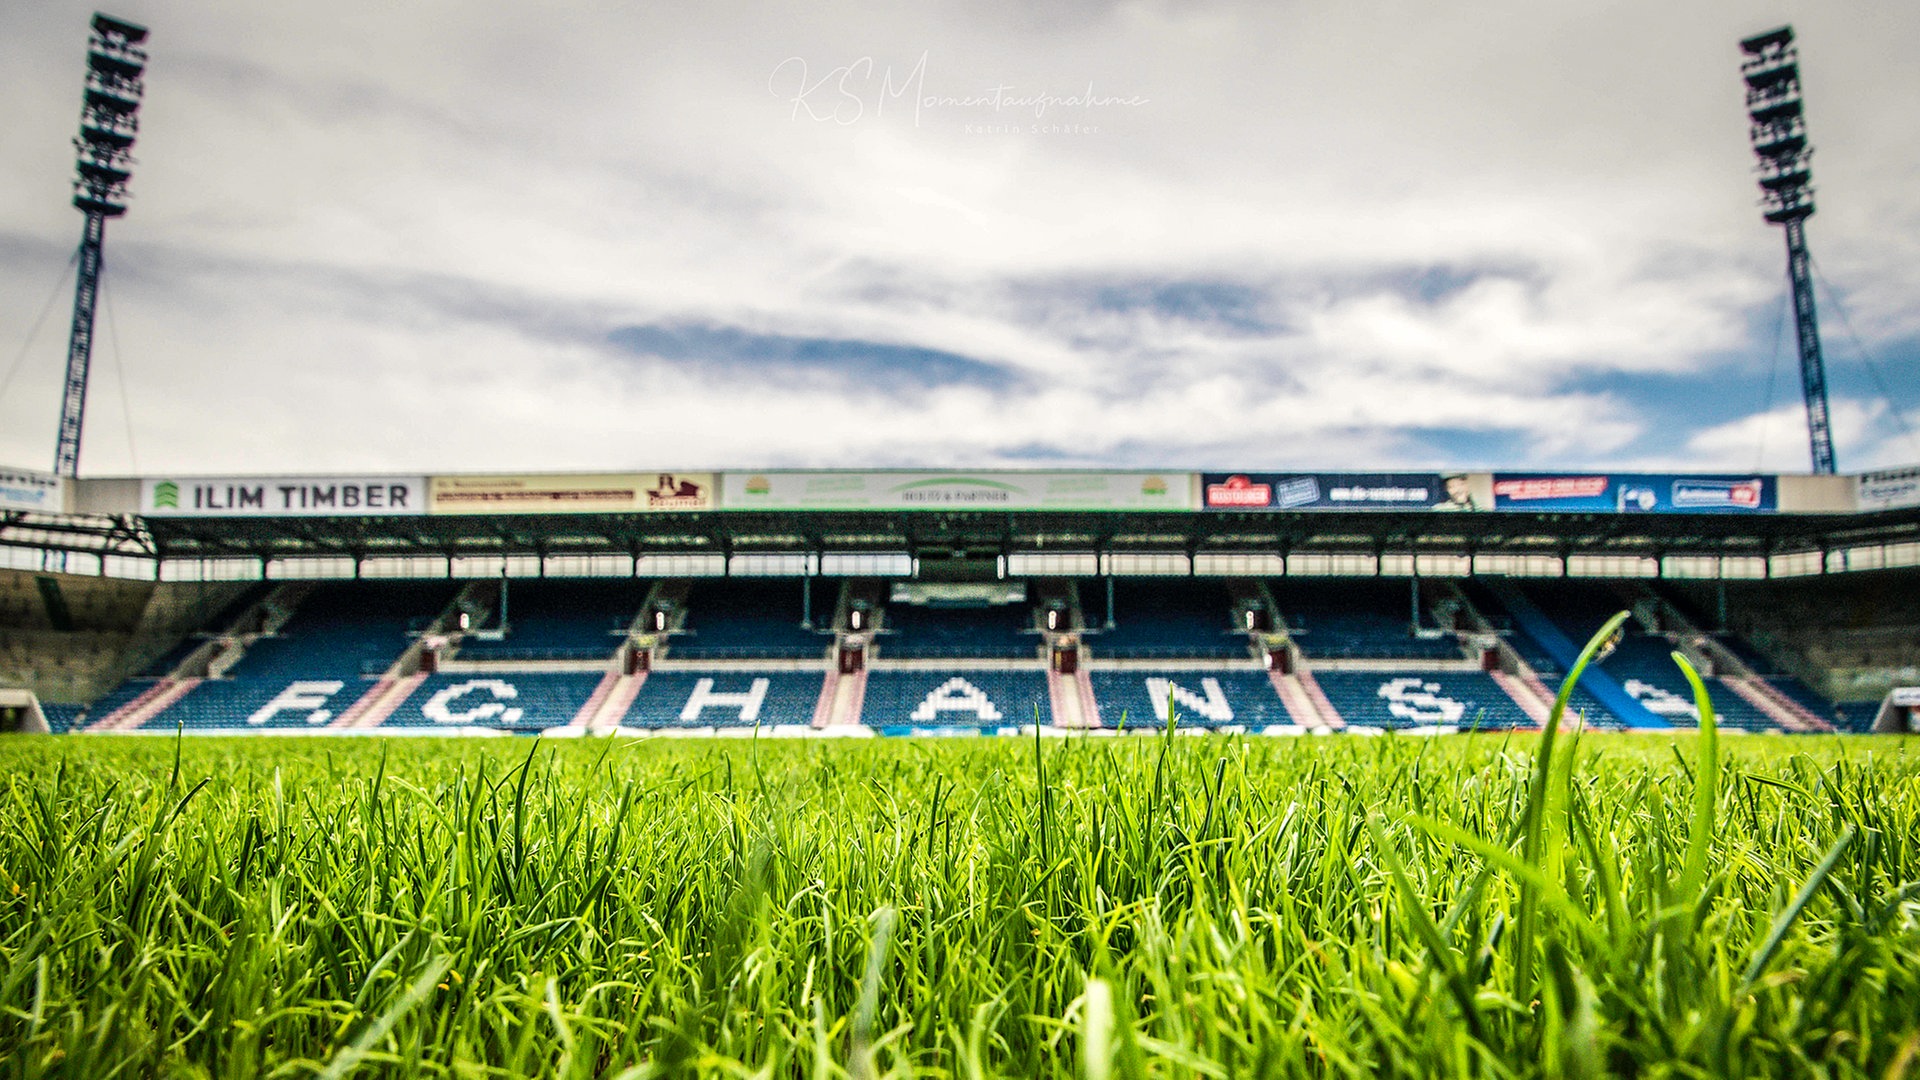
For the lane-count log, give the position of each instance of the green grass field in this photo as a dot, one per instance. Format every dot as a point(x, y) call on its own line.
point(1221, 907)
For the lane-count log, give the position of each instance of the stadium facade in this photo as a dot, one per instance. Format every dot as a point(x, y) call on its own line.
point(820, 603)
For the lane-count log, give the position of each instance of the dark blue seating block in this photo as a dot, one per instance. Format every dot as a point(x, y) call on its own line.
point(725, 698)
point(510, 701)
point(1396, 700)
point(1137, 698)
point(562, 620)
point(956, 698)
point(937, 633)
point(733, 620)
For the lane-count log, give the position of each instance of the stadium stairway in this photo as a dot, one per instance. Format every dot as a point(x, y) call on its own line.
point(403, 676)
point(262, 618)
point(1300, 703)
point(1606, 691)
point(1512, 672)
point(1721, 665)
point(608, 705)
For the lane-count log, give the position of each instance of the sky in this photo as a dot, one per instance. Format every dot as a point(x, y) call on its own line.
point(487, 236)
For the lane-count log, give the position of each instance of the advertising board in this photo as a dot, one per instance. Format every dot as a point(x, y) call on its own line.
point(1890, 489)
point(1634, 493)
point(572, 493)
point(21, 489)
point(284, 496)
point(1345, 491)
point(957, 491)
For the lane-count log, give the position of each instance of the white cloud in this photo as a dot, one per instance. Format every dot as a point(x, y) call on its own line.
point(378, 237)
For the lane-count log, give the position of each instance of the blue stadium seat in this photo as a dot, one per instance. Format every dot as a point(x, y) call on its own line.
point(509, 701)
point(562, 620)
point(1163, 619)
point(61, 718)
point(945, 633)
point(1398, 700)
point(901, 701)
point(342, 638)
point(1357, 619)
point(725, 698)
point(753, 620)
point(1643, 663)
point(1807, 697)
point(1201, 699)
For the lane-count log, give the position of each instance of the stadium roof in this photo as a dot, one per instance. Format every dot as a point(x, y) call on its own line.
point(984, 532)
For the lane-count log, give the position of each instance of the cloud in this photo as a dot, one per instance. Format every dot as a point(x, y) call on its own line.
point(1359, 235)
point(845, 366)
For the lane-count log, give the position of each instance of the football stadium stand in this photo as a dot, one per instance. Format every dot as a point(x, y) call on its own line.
point(934, 632)
point(1162, 619)
point(725, 698)
point(753, 620)
point(903, 700)
point(340, 639)
point(508, 701)
point(1465, 700)
point(559, 620)
point(1134, 698)
point(301, 656)
point(1358, 619)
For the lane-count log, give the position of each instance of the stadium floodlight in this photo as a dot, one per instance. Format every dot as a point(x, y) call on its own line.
point(1779, 132)
point(109, 121)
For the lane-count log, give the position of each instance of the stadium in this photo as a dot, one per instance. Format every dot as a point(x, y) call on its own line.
point(893, 603)
point(652, 766)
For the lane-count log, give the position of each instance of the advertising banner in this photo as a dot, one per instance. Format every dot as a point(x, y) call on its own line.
point(23, 490)
point(572, 493)
point(957, 491)
point(1634, 493)
point(284, 496)
point(1346, 491)
point(1890, 489)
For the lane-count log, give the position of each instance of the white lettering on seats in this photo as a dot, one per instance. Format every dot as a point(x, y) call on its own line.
point(310, 694)
point(956, 695)
point(439, 707)
point(1420, 702)
point(1165, 693)
point(1661, 702)
point(748, 703)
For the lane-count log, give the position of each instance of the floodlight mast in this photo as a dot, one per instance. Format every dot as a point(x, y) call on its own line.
point(1779, 133)
point(109, 121)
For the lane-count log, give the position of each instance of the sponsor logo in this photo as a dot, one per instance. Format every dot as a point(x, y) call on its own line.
point(1551, 487)
point(759, 485)
point(1739, 494)
point(1637, 497)
point(958, 490)
point(1239, 491)
point(673, 492)
point(1299, 491)
point(1893, 488)
point(1153, 485)
point(285, 498)
point(28, 491)
point(1392, 495)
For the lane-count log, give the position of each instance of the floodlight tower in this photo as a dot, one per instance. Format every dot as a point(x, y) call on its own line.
point(1779, 133)
point(109, 120)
